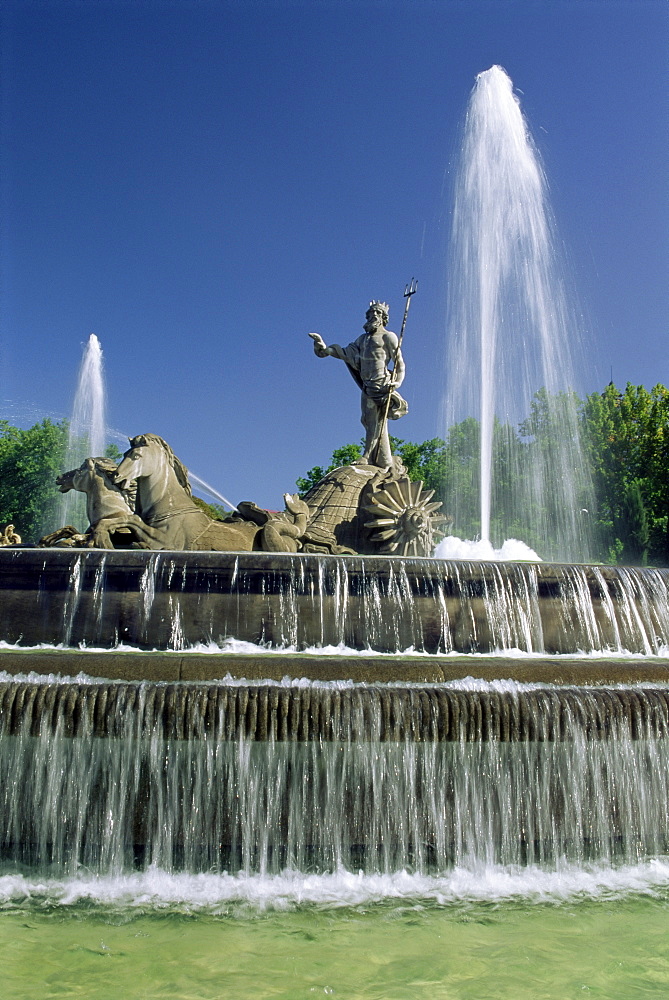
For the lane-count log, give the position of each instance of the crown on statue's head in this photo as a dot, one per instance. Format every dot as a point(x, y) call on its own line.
point(383, 306)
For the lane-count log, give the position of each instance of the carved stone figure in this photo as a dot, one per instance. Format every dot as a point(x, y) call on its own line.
point(164, 502)
point(66, 537)
point(109, 509)
point(403, 519)
point(368, 359)
point(367, 510)
point(359, 508)
point(10, 536)
point(279, 531)
point(334, 525)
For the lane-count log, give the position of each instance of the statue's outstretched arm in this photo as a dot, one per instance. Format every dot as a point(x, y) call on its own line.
point(320, 347)
point(322, 350)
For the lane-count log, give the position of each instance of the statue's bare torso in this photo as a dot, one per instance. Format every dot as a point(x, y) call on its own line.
point(368, 359)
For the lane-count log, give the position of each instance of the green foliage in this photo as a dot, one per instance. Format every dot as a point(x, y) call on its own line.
point(113, 452)
point(213, 510)
point(340, 456)
point(561, 496)
point(627, 446)
point(633, 527)
point(30, 461)
point(628, 438)
point(426, 461)
point(460, 489)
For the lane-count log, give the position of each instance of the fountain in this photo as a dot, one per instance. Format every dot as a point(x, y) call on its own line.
point(377, 753)
point(511, 333)
point(295, 689)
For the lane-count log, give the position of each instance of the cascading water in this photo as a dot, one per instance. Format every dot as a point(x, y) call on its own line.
point(87, 434)
point(321, 777)
point(511, 335)
point(256, 777)
point(173, 600)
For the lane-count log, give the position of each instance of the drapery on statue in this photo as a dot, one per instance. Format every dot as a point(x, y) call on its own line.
point(368, 359)
point(369, 507)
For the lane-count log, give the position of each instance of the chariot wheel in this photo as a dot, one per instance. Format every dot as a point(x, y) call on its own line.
point(403, 519)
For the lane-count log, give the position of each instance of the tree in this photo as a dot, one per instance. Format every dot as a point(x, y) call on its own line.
point(632, 525)
point(628, 437)
point(213, 510)
point(425, 461)
point(30, 461)
point(461, 487)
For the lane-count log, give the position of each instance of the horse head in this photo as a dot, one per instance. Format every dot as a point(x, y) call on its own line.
point(138, 462)
point(159, 474)
point(83, 478)
point(65, 482)
point(77, 479)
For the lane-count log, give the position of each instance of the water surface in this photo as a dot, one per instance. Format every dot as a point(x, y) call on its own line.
point(470, 935)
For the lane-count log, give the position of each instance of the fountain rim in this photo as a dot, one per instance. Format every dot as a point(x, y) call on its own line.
point(174, 664)
point(178, 666)
point(63, 552)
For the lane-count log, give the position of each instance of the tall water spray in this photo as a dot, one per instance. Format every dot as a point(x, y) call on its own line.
point(511, 336)
point(87, 435)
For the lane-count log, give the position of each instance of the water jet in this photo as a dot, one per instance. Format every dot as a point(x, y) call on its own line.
point(513, 336)
point(87, 431)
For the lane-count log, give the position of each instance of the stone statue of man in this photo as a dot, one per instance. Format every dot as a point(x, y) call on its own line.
point(368, 359)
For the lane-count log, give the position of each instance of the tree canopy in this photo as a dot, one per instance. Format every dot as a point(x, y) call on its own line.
point(30, 461)
point(628, 442)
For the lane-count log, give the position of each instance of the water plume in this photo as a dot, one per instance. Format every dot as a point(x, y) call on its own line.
point(511, 336)
point(87, 434)
point(88, 412)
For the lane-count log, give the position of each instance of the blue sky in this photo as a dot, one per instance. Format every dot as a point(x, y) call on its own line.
point(202, 183)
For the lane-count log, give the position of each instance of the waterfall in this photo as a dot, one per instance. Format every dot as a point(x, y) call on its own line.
point(511, 334)
point(162, 600)
point(319, 777)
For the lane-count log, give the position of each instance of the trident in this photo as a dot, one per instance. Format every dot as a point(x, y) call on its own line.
point(409, 290)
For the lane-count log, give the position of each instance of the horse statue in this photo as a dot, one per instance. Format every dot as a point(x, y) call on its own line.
point(165, 503)
point(108, 507)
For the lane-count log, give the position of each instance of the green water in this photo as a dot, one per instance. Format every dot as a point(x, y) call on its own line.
point(615, 948)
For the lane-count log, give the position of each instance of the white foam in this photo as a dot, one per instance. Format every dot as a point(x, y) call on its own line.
point(240, 647)
point(157, 890)
point(469, 683)
point(480, 550)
